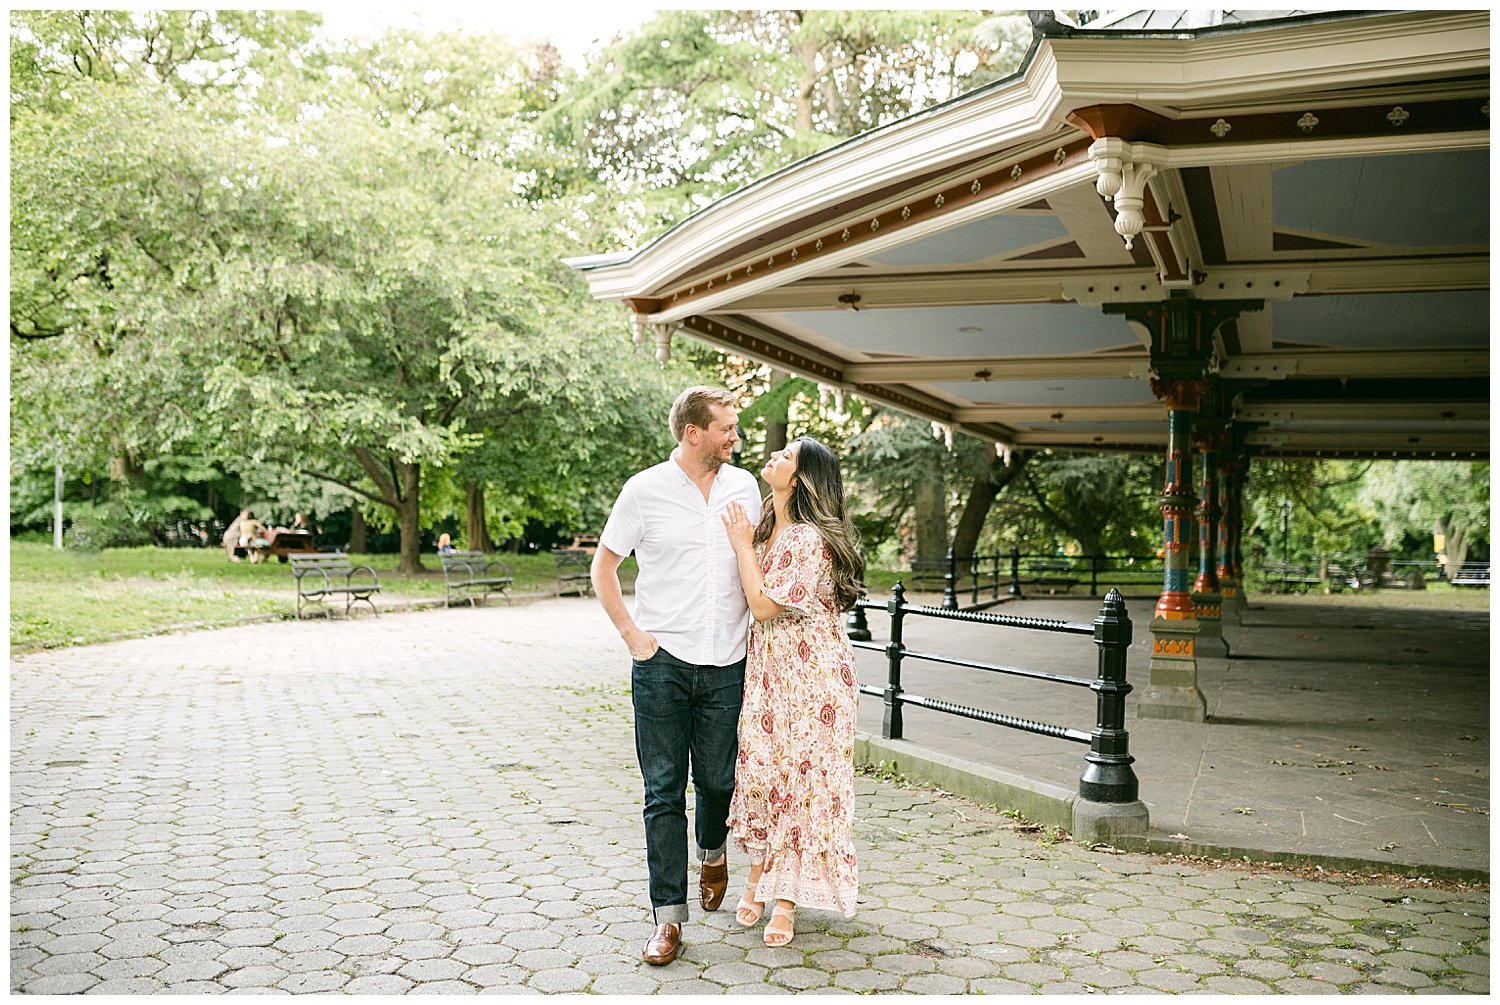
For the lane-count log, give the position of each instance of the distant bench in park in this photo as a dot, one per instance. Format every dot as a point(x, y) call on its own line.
point(1472, 575)
point(573, 571)
point(325, 577)
point(470, 575)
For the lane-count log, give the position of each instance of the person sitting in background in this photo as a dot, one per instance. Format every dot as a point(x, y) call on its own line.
point(253, 537)
point(445, 545)
point(232, 535)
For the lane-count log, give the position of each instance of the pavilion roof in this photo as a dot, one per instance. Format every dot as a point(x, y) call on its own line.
point(1332, 169)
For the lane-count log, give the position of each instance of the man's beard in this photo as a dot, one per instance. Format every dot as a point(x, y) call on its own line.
point(711, 460)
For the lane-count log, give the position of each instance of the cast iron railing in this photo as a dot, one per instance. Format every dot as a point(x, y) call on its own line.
point(1014, 572)
point(1107, 776)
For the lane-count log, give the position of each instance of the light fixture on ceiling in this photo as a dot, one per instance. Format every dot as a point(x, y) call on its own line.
point(971, 329)
point(849, 300)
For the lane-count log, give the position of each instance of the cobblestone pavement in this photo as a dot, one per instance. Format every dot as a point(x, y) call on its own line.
point(447, 801)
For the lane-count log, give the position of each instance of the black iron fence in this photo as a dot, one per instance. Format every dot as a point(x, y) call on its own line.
point(1107, 776)
point(1014, 574)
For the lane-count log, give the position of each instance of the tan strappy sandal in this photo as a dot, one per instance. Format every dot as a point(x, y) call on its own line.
point(778, 937)
point(748, 907)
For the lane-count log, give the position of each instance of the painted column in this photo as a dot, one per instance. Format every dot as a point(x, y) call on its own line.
point(1173, 689)
point(1229, 587)
point(1207, 599)
point(1180, 333)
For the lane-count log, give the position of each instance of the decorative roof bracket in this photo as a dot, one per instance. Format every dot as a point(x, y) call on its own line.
point(1124, 169)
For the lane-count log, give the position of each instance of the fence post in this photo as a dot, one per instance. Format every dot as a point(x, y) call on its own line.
point(950, 585)
point(1015, 571)
point(1107, 776)
point(1094, 561)
point(893, 651)
point(974, 574)
point(856, 625)
point(995, 558)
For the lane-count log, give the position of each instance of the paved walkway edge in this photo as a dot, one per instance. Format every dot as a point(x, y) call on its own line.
point(1052, 805)
point(1038, 802)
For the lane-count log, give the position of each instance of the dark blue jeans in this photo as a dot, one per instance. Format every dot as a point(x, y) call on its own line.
point(685, 715)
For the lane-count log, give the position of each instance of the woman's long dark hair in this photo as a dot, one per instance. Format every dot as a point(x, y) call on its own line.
point(818, 500)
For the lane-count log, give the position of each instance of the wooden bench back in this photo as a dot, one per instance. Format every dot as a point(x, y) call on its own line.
point(572, 561)
point(334, 562)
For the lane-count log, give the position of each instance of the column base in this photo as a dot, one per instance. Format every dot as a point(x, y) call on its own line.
point(1172, 692)
point(1208, 609)
point(1119, 825)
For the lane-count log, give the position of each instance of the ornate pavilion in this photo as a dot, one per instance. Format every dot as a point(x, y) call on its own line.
point(1191, 233)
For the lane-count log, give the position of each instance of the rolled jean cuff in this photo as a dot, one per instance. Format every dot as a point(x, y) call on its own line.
point(710, 856)
point(672, 914)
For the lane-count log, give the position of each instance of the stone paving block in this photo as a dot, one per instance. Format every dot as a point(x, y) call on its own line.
point(1403, 978)
point(867, 981)
point(252, 977)
point(378, 984)
point(1305, 986)
point(314, 982)
point(127, 986)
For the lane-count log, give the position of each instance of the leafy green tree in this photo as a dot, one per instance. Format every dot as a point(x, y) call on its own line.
point(352, 293)
point(1414, 499)
point(695, 103)
point(1103, 502)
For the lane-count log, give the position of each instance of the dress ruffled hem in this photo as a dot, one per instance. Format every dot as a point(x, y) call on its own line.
point(815, 888)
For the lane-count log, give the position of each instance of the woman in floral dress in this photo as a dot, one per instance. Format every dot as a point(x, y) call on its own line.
point(793, 807)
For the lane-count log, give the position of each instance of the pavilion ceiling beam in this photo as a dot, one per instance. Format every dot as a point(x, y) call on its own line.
point(1144, 412)
point(1371, 442)
point(1338, 363)
point(1278, 280)
point(1381, 411)
point(928, 371)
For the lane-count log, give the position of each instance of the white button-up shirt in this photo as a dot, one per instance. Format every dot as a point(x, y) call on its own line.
point(688, 593)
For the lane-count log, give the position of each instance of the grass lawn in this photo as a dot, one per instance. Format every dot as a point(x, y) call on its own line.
point(77, 597)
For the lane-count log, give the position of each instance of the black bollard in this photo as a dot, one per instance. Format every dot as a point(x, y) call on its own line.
point(1107, 776)
point(858, 629)
point(1015, 571)
point(893, 650)
point(950, 585)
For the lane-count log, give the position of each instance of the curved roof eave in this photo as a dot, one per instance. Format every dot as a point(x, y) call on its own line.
point(767, 187)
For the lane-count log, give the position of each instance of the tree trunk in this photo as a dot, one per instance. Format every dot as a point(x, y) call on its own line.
point(358, 540)
point(408, 518)
point(987, 485)
point(932, 513)
point(476, 534)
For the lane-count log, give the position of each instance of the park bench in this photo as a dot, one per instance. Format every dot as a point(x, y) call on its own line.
point(1471, 575)
point(467, 573)
point(1052, 575)
point(930, 574)
point(573, 571)
point(325, 577)
point(1291, 574)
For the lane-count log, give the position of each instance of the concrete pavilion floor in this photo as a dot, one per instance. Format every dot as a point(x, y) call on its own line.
point(1340, 733)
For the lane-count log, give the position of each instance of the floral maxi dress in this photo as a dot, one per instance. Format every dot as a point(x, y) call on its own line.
point(793, 805)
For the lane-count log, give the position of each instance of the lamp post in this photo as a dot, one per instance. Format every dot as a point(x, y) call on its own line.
point(1286, 524)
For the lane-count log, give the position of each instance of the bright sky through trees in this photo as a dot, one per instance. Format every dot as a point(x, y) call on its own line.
point(573, 28)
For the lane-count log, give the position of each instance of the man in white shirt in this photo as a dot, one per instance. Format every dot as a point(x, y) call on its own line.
point(687, 645)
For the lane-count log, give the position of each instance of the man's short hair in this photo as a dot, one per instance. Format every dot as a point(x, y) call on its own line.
point(694, 407)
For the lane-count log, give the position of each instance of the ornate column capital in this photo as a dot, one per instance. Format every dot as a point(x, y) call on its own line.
point(1179, 394)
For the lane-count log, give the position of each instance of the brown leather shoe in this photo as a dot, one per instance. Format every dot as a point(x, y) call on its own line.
point(713, 880)
point(662, 947)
